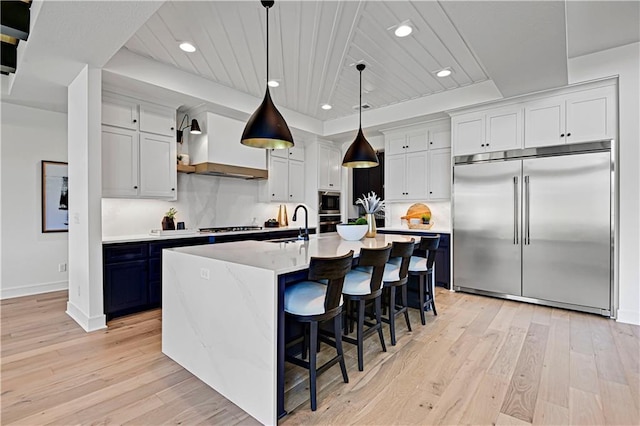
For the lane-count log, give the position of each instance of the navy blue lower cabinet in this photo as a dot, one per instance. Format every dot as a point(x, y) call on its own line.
point(125, 287)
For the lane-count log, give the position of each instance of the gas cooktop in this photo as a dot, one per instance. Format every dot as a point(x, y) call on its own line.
point(231, 229)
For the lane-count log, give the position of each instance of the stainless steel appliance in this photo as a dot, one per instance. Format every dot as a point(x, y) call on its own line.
point(328, 202)
point(537, 225)
point(328, 222)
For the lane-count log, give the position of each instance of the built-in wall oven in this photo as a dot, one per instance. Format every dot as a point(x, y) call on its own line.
point(328, 211)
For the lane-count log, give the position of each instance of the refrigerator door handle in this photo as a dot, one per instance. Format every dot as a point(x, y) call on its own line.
point(515, 210)
point(526, 237)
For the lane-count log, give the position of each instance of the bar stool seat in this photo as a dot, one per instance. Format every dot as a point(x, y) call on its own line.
point(391, 271)
point(356, 283)
point(306, 298)
point(418, 264)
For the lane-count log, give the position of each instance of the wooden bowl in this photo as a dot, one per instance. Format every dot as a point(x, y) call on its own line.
point(416, 211)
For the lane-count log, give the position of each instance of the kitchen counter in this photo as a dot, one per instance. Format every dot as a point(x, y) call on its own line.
point(223, 317)
point(149, 237)
point(435, 229)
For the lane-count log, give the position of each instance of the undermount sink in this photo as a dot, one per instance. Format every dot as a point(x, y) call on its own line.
point(285, 240)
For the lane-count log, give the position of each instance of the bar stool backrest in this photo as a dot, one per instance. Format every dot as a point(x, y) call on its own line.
point(377, 258)
point(332, 269)
point(429, 244)
point(404, 250)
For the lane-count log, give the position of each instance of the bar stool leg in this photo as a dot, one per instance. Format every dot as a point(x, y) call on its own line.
point(405, 304)
point(378, 309)
point(392, 315)
point(433, 292)
point(421, 291)
point(359, 336)
point(313, 342)
point(305, 340)
point(336, 328)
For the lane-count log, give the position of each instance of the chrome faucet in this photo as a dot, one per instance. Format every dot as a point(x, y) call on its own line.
point(304, 235)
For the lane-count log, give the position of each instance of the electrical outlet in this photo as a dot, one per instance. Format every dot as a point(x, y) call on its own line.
point(62, 267)
point(204, 273)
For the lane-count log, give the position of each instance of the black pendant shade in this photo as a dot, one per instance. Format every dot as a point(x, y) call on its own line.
point(360, 154)
point(266, 127)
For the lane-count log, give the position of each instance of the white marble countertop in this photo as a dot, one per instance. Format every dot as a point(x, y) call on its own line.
point(283, 258)
point(436, 229)
point(148, 237)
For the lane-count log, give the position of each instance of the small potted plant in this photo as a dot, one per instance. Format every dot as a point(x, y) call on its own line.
point(371, 204)
point(425, 219)
point(352, 231)
point(167, 220)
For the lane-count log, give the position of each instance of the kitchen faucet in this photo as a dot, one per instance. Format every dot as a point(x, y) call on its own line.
point(304, 235)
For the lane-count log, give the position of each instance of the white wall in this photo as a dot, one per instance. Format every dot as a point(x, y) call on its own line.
point(202, 201)
point(625, 62)
point(30, 258)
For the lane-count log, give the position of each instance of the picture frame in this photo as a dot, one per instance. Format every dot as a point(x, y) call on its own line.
point(55, 196)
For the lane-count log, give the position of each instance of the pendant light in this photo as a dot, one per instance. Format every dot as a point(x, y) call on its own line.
point(360, 154)
point(266, 128)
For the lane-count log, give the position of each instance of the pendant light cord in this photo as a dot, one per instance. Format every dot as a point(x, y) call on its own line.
point(360, 121)
point(267, 48)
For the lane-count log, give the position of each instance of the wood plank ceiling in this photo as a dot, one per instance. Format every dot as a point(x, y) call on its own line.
point(314, 47)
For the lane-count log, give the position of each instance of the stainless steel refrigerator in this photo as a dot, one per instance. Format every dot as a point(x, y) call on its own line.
point(537, 225)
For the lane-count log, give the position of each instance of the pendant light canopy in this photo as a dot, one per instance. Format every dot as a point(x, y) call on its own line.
point(360, 154)
point(266, 128)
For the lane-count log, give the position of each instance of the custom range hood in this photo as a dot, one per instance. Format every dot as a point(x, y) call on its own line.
point(216, 152)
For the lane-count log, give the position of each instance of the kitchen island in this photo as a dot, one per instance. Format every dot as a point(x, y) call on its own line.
point(223, 317)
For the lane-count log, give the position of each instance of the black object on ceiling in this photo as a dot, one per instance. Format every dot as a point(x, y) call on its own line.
point(15, 17)
point(266, 128)
point(360, 154)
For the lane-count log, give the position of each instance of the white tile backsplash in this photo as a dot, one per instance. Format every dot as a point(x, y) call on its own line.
point(202, 201)
point(440, 213)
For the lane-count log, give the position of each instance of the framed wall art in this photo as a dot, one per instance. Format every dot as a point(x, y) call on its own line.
point(55, 196)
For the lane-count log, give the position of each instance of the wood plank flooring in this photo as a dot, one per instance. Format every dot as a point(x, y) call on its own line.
point(480, 361)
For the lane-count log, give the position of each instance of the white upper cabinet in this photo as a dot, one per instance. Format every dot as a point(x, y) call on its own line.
point(138, 149)
point(579, 116)
point(119, 162)
point(418, 163)
point(157, 166)
point(329, 168)
point(157, 120)
point(286, 176)
point(279, 153)
point(296, 153)
point(279, 179)
point(493, 130)
point(296, 181)
point(119, 113)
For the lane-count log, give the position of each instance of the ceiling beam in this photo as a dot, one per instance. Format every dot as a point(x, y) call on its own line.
point(15, 17)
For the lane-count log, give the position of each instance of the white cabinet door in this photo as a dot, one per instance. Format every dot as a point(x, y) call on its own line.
point(416, 176)
point(280, 153)
point(329, 168)
point(158, 120)
point(544, 122)
point(397, 144)
point(591, 115)
point(120, 113)
point(119, 162)
point(335, 169)
point(296, 181)
point(504, 129)
point(440, 174)
point(394, 186)
point(417, 141)
point(279, 179)
point(468, 134)
point(296, 153)
point(440, 137)
point(157, 166)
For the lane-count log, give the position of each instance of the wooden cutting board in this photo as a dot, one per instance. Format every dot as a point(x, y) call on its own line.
point(416, 211)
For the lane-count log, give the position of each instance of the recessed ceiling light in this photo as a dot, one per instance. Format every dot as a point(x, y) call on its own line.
point(273, 83)
point(326, 107)
point(187, 47)
point(403, 30)
point(445, 72)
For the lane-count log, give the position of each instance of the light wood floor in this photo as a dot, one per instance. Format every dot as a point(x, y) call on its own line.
point(480, 361)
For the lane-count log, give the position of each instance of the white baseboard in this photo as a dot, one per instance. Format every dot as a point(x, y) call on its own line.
point(628, 317)
point(28, 290)
point(98, 322)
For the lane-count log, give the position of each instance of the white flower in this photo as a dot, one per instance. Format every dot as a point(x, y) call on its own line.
point(371, 203)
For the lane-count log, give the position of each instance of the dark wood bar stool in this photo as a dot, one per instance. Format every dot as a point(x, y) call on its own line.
point(362, 287)
point(423, 268)
point(396, 276)
point(311, 302)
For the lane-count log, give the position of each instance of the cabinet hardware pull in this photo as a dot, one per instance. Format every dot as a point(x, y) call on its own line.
point(515, 210)
point(172, 128)
point(135, 187)
point(430, 192)
point(430, 143)
point(568, 134)
point(482, 145)
point(173, 189)
point(562, 135)
point(273, 195)
point(487, 145)
point(135, 121)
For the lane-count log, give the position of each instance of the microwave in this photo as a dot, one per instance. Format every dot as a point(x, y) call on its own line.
point(328, 202)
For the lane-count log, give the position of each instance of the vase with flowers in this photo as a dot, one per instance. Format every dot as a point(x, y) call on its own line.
point(371, 204)
point(167, 220)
